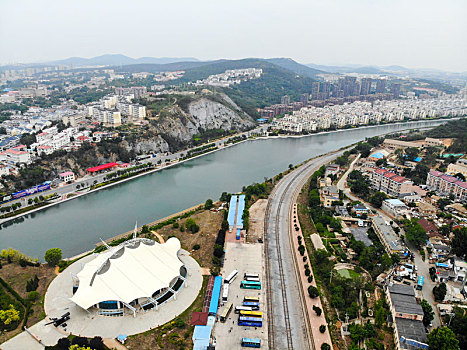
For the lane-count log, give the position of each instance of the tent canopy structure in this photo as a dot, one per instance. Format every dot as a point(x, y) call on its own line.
point(135, 269)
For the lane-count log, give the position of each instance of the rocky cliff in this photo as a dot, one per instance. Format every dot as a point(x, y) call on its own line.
point(175, 127)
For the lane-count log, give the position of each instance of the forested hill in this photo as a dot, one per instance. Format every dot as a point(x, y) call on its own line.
point(456, 129)
point(280, 77)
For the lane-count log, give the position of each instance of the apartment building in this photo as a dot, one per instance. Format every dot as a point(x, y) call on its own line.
point(446, 185)
point(460, 167)
point(396, 144)
point(387, 236)
point(14, 156)
point(391, 183)
point(407, 316)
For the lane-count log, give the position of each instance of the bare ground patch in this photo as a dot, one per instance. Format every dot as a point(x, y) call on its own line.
point(257, 212)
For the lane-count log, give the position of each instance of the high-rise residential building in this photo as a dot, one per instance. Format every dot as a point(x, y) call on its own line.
point(396, 90)
point(304, 99)
point(285, 100)
point(365, 86)
point(314, 90)
point(380, 86)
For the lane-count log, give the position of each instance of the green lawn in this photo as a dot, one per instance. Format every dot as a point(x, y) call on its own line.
point(346, 273)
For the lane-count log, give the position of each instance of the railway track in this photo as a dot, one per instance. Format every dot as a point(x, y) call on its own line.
point(288, 331)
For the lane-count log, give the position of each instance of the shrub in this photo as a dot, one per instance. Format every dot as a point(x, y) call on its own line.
point(175, 225)
point(322, 328)
point(304, 258)
point(310, 278)
point(196, 247)
point(307, 272)
point(33, 296)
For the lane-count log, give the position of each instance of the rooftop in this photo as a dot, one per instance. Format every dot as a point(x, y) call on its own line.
point(134, 269)
point(411, 330)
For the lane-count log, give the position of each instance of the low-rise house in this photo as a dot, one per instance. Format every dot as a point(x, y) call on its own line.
point(332, 169)
point(67, 176)
point(329, 194)
point(460, 269)
point(360, 209)
point(441, 251)
point(429, 227)
point(394, 207)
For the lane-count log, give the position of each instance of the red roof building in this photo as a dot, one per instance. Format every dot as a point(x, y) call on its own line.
point(102, 167)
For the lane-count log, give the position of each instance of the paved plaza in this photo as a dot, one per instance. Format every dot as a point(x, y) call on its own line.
point(89, 324)
point(244, 258)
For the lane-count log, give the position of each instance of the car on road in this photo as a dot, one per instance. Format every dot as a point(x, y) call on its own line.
point(407, 283)
point(398, 278)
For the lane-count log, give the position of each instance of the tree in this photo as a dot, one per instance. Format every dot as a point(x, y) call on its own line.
point(428, 313)
point(411, 153)
point(96, 343)
point(208, 205)
point(442, 338)
point(415, 233)
point(63, 343)
point(325, 346)
point(377, 199)
point(313, 292)
point(191, 225)
point(53, 256)
point(442, 202)
point(322, 328)
point(460, 176)
point(318, 310)
point(459, 243)
point(458, 324)
point(225, 197)
point(439, 292)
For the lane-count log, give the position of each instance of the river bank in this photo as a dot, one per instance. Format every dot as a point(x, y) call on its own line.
point(77, 224)
point(12, 218)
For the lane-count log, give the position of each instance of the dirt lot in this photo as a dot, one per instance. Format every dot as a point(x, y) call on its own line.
point(256, 229)
point(175, 335)
point(209, 224)
point(17, 276)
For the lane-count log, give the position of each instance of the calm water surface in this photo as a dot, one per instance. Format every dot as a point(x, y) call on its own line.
point(75, 226)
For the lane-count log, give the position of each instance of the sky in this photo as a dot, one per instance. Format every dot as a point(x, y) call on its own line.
point(410, 33)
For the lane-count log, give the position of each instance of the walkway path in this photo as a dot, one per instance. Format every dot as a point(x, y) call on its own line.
point(316, 321)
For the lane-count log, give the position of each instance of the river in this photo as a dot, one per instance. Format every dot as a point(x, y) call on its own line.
point(75, 226)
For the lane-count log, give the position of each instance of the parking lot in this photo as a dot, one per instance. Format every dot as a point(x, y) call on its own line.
point(246, 258)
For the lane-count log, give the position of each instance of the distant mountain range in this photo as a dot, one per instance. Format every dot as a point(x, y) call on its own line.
point(118, 60)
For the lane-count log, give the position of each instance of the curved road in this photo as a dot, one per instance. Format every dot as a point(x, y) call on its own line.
point(289, 326)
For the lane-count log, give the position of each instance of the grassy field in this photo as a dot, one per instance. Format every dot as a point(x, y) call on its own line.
point(348, 273)
point(17, 277)
point(209, 224)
